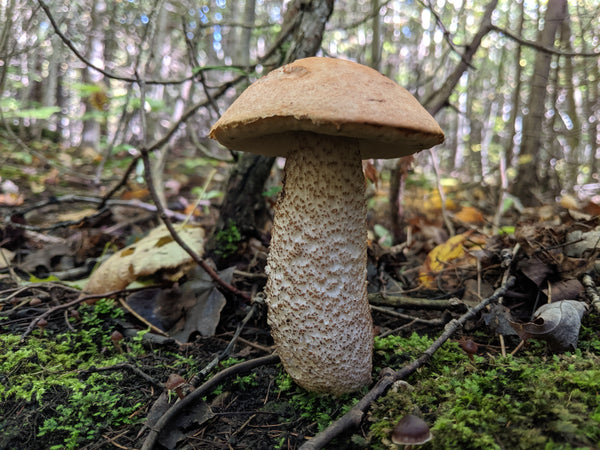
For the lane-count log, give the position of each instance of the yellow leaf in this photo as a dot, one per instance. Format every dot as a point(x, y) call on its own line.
point(440, 256)
point(471, 215)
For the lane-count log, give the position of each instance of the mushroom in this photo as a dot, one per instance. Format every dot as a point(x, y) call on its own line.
point(176, 383)
point(324, 115)
point(116, 337)
point(411, 430)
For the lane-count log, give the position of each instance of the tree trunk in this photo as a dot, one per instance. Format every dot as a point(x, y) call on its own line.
point(243, 204)
point(376, 38)
point(246, 34)
point(90, 135)
point(440, 98)
point(529, 156)
point(509, 143)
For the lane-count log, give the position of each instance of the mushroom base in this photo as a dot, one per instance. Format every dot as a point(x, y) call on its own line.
point(317, 288)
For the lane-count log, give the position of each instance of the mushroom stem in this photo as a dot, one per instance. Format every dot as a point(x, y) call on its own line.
point(317, 287)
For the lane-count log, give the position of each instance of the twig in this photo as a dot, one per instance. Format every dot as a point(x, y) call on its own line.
point(388, 376)
point(508, 258)
point(167, 221)
point(80, 299)
point(592, 291)
point(126, 366)
point(440, 188)
point(433, 322)
point(111, 75)
point(402, 301)
point(197, 394)
point(540, 47)
point(196, 379)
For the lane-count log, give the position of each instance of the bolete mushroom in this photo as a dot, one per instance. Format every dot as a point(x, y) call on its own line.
point(324, 115)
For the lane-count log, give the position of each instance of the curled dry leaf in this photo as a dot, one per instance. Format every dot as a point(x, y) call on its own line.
point(556, 323)
point(454, 254)
point(157, 251)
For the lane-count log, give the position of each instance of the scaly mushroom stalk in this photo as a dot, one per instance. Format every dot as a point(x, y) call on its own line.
point(317, 287)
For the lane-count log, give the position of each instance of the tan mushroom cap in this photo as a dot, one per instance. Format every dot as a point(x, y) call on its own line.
point(327, 96)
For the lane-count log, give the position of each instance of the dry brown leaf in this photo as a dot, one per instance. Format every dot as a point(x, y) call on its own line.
point(154, 252)
point(470, 215)
point(556, 323)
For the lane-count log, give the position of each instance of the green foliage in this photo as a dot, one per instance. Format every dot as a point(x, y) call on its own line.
point(318, 408)
point(44, 112)
point(273, 191)
point(527, 401)
point(228, 240)
point(51, 368)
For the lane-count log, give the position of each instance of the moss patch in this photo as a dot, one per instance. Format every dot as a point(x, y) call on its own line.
point(532, 400)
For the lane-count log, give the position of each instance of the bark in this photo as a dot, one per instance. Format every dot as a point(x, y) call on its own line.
point(243, 204)
point(90, 136)
point(246, 34)
point(440, 99)
point(376, 38)
point(516, 93)
point(572, 129)
point(527, 175)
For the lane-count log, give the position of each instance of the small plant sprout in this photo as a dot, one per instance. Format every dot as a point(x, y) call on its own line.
point(116, 337)
point(411, 430)
point(176, 383)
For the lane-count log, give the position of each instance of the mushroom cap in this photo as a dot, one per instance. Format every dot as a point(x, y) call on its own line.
point(411, 430)
point(174, 381)
point(327, 96)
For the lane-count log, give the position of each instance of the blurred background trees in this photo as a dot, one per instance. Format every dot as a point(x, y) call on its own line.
point(514, 84)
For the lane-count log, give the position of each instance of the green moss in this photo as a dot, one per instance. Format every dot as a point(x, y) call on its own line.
point(533, 400)
point(74, 407)
point(228, 240)
point(317, 408)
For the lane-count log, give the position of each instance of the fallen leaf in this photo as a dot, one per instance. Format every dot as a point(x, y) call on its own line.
point(556, 323)
point(564, 290)
point(498, 319)
point(580, 243)
point(186, 423)
point(6, 256)
point(470, 215)
point(146, 257)
point(450, 254)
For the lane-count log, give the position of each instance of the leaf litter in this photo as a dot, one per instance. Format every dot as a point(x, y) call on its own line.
point(547, 304)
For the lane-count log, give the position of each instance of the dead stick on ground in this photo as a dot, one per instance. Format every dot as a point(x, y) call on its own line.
point(197, 394)
point(165, 219)
point(388, 376)
point(196, 379)
point(78, 300)
point(591, 291)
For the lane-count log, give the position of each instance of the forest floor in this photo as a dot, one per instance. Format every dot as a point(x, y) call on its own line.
point(505, 379)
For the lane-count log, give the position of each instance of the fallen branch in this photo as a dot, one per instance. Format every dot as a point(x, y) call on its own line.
point(354, 417)
point(77, 301)
point(196, 395)
point(592, 292)
point(401, 301)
